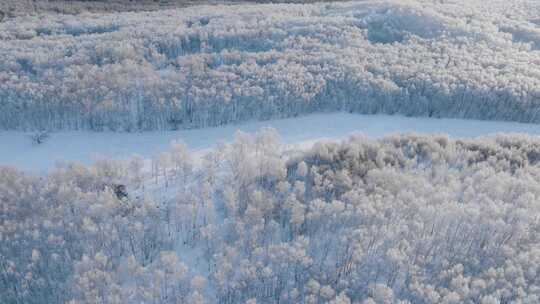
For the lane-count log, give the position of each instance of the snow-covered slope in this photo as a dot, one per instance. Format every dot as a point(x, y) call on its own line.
point(18, 150)
point(211, 65)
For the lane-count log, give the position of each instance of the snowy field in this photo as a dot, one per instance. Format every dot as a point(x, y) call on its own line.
point(86, 147)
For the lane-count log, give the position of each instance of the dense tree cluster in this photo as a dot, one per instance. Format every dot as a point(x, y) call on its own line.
point(210, 65)
point(14, 8)
point(404, 219)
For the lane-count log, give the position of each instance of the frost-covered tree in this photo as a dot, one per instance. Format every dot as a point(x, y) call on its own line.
point(212, 65)
point(403, 219)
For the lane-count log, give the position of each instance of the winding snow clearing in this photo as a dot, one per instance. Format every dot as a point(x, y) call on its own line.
point(17, 148)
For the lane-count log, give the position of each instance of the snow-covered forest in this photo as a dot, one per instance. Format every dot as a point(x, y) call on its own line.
point(211, 65)
point(404, 219)
point(126, 178)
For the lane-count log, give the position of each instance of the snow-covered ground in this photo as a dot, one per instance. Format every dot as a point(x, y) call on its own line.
point(18, 150)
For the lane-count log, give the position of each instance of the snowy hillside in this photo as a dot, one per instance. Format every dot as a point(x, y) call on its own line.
point(211, 65)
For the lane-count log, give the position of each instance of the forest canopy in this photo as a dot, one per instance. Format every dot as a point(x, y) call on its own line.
point(404, 219)
point(211, 65)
